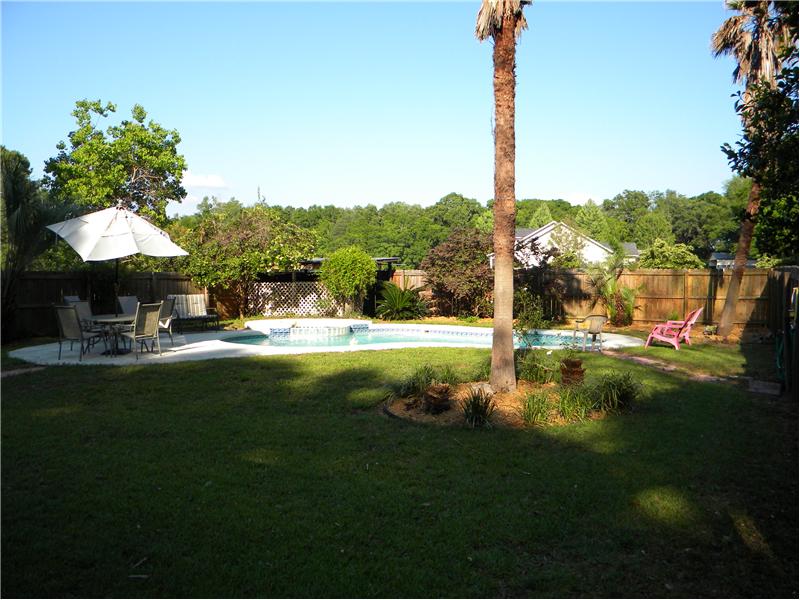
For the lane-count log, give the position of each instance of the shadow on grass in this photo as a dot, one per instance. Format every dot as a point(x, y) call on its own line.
point(265, 477)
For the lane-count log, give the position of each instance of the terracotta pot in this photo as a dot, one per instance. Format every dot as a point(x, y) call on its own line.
point(571, 371)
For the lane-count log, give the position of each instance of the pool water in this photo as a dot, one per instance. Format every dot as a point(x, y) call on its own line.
point(394, 337)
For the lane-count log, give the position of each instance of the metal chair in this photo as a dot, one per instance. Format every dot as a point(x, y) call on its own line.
point(69, 329)
point(165, 318)
point(128, 304)
point(145, 328)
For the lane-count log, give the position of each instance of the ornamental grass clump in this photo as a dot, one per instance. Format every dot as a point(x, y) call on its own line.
point(574, 403)
point(478, 407)
point(615, 391)
point(535, 409)
point(422, 378)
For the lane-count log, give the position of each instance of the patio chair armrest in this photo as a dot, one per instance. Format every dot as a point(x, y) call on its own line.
point(675, 323)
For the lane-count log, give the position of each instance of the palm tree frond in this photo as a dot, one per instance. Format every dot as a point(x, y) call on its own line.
point(492, 14)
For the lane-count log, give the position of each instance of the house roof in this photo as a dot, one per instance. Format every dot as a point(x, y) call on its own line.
point(523, 234)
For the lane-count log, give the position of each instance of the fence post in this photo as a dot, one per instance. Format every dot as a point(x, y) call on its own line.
point(685, 291)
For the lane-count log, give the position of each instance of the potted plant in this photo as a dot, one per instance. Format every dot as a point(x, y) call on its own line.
point(571, 365)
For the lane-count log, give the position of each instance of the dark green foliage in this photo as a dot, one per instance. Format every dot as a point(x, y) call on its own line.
point(539, 366)
point(528, 313)
point(397, 303)
point(478, 407)
point(26, 210)
point(614, 391)
point(535, 409)
point(458, 271)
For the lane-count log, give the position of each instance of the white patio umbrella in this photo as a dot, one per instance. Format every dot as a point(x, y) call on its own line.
point(115, 233)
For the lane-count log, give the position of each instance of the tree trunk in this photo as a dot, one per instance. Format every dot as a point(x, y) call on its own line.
point(739, 263)
point(503, 377)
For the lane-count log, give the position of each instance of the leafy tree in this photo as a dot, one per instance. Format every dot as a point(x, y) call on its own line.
point(503, 21)
point(757, 37)
point(569, 246)
point(231, 251)
point(653, 225)
point(458, 272)
point(347, 274)
point(663, 254)
point(540, 217)
point(591, 221)
point(483, 221)
point(134, 163)
point(26, 210)
point(627, 207)
point(454, 211)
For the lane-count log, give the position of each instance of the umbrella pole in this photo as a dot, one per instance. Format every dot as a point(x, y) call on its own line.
point(116, 285)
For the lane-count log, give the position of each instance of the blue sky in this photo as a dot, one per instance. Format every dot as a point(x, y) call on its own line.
point(374, 102)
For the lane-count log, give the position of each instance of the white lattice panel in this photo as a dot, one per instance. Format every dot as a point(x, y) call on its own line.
point(300, 298)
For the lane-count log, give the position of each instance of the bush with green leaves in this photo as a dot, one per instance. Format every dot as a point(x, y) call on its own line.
point(539, 366)
point(665, 255)
point(347, 274)
point(535, 409)
point(397, 303)
point(614, 391)
point(478, 407)
point(528, 314)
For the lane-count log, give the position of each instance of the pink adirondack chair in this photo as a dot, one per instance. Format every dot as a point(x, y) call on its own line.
point(673, 332)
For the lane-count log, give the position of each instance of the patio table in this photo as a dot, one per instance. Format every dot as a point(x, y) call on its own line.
point(114, 324)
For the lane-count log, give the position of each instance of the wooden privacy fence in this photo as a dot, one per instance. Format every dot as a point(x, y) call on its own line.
point(662, 294)
point(37, 291)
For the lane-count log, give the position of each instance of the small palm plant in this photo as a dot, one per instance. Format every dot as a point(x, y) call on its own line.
point(400, 303)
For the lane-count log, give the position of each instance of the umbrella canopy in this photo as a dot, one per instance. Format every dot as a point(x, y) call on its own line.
point(114, 233)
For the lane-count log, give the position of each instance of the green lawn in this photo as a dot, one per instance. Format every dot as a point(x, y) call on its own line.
point(280, 476)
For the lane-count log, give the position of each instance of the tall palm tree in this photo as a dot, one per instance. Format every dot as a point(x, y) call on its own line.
point(754, 37)
point(503, 21)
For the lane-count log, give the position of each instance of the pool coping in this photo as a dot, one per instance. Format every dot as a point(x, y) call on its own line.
point(212, 345)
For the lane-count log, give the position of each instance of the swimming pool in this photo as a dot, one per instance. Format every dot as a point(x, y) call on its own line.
point(380, 336)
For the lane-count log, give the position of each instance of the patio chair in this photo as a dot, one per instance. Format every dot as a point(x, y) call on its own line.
point(165, 318)
point(192, 307)
point(71, 299)
point(85, 317)
point(69, 329)
point(591, 325)
point(144, 329)
point(128, 304)
point(673, 332)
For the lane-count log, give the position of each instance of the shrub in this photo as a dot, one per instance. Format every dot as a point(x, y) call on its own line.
point(529, 314)
point(478, 407)
point(347, 274)
point(574, 403)
point(535, 408)
point(397, 303)
point(665, 255)
point(615, 391)
point(537, 365)
point(423, 377)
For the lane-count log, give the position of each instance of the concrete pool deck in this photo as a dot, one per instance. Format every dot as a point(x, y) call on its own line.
point(209, 345)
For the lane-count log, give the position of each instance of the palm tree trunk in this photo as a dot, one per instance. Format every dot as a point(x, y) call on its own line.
point(740, 261)
point(503, 377)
